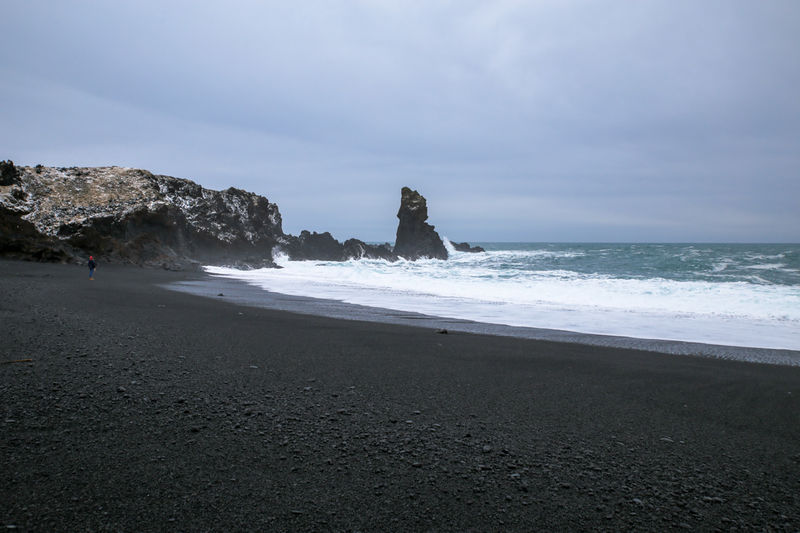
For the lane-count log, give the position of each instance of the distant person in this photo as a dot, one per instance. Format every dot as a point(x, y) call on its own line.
point(92, 266)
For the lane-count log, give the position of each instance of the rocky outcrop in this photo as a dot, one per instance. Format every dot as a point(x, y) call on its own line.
point(126, 215)
point(465, 247)
point(356, 249)
point(8, 173)
point(415, 237)
point(322, 246)
point(132, 216)
point(19, 239)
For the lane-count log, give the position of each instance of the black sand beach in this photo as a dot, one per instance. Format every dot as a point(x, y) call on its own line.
point(143, 409)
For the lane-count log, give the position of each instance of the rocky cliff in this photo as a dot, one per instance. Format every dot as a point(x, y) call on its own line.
point(128, 215)
point(415, 237)
point(133, 216)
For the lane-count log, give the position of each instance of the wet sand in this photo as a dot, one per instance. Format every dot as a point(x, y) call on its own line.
point(144, 409)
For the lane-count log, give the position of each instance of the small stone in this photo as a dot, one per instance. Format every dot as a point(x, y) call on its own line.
point(486, 448)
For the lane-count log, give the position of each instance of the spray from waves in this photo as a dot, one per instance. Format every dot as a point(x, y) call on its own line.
point(588, 289)
point(451, 250)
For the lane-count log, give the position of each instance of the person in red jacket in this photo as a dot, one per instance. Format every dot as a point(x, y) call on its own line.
point(92, 266)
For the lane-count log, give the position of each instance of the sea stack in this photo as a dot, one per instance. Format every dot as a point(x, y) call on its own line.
point(415, 237)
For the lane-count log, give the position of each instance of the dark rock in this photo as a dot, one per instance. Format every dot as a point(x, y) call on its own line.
point(132, 216)
point(123, 215)
point(415, 237)
point(356, 249)
point(19, 239)
point(8, 173)
point(465, 247)
point(319, 246)
point(323, 247)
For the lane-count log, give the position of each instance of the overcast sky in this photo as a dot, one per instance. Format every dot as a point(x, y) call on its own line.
point(519, 121)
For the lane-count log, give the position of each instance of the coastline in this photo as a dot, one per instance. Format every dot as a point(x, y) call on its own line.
point(150, 409)
point(243, 293)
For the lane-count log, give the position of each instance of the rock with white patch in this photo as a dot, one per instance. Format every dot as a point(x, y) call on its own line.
point(133, 216)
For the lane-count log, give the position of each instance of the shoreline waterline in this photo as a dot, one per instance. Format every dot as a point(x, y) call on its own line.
point(744, 296)
point(244, 293)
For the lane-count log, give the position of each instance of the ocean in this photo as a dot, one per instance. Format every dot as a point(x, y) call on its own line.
point(743, 295)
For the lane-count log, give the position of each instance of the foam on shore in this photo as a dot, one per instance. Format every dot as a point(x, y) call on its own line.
point(238, 291)
point(737, 295)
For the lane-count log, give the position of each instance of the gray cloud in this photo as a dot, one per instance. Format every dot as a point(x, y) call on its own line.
point(568, 120)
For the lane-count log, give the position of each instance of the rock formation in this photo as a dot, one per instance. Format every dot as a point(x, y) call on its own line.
point(465, 247)
point(8, 173)
point(322, 246)
point(133, 216)
point(415, 237)
point(125, 215)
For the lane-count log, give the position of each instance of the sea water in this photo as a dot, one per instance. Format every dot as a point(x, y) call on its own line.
point(724, 294)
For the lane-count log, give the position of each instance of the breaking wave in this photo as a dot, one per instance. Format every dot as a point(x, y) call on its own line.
point(667, 292)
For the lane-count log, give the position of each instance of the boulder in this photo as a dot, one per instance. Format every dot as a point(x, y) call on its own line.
point(319, 246)
point(356, 249)
point(465, 247)
point(8, 173)
point(415, 237)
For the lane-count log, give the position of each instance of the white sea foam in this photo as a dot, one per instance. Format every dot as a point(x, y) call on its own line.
point(767, 266)
point(488, 288)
